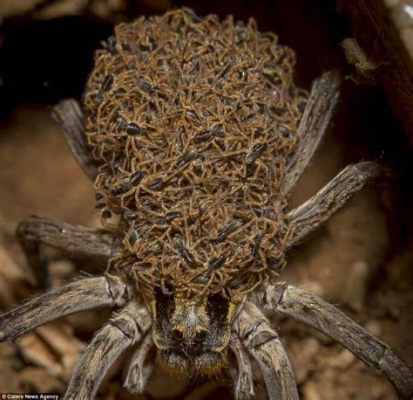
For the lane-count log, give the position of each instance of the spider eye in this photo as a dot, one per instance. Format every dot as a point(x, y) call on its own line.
point(217, 307)
point(164, 303)
point(177, 335)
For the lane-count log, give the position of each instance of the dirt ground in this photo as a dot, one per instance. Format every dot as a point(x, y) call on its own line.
point(361, 260)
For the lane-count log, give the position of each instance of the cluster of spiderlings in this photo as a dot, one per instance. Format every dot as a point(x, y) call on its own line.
point(192, 121)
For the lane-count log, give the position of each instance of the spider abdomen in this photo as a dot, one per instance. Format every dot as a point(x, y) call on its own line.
point(195, 118)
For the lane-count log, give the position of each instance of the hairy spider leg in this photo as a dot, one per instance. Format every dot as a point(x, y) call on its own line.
point(319, 208)
point(314, 311)
point(138, 373)
point(81, 295)
point(68, 114)
point(263, 343)
point(73, 239)
point(123, 330)
point(317, 115)
point(243, 379)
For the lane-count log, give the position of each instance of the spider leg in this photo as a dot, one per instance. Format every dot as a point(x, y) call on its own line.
point(244, 388)
point(139, 374)
point(122, 331)
point(264, 345)
point(312, 310)
point(74, 239)
point(329, 199)
point(314, 122)
point(77, 296)
point(69, 116)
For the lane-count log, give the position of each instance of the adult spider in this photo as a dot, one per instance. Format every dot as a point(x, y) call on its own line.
point(195, 136)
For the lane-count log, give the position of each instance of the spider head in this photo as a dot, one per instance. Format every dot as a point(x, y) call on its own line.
point(192, 335)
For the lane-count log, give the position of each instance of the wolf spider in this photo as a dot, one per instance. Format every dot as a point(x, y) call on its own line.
point(249, 333)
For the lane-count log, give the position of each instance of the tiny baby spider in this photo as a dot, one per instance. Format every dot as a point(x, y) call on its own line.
point(194, 135)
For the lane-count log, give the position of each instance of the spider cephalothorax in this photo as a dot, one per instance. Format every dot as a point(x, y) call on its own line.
point(194, 135)
point(192, 335)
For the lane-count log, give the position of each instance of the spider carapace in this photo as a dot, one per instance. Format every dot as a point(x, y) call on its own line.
point(194, 134)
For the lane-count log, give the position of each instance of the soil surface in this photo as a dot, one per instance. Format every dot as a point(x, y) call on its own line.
point(361, 260)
